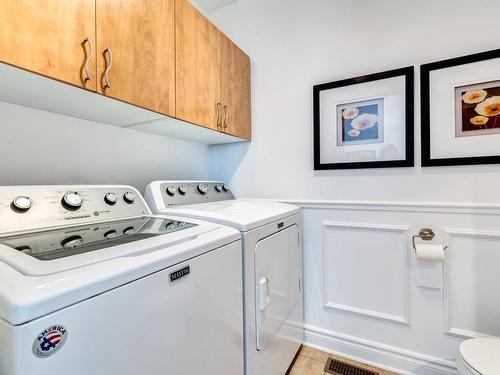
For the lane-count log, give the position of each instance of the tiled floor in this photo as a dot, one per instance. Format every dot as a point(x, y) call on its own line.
point(312, 362)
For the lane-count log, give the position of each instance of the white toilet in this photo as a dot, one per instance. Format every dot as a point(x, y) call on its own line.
point(479, 356)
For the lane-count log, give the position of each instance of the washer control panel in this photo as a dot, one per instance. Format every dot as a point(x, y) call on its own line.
point(193, 192)
point(28, 208)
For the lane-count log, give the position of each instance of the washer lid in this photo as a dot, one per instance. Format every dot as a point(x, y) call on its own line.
point(242, 214)
point(63, 242)
point(482, 354)
point(59, 250)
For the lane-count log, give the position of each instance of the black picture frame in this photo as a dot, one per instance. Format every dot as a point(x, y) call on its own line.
point(425, 103)
point(408, 161)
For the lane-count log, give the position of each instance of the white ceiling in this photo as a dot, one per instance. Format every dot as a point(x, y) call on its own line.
point(211, 5)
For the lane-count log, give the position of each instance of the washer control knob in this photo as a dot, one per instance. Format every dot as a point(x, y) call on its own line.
point(225, 188)
point(72, 200)
point(72, 242)
point(182, 190)
point(171, 191)
point(110, 198)
point(22, 203)
point(24, 249)
point(128, 231)
point(218, 188)
point(170, 225)
point(129, 197)
point(111, 234)
point(202, 188)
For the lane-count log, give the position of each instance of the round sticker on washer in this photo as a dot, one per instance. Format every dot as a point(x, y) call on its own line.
point(50, 340)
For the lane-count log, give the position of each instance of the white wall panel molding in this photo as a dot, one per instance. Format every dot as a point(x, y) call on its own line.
point(385, 356)
point(361, 302)
point(466, 274)
point(404, 206)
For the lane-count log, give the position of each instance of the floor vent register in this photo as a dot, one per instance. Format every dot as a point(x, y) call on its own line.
point(336, 367)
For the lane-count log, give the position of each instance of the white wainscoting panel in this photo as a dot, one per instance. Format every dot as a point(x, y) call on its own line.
point(361, 297)
point(355, 255)
point(472, 268)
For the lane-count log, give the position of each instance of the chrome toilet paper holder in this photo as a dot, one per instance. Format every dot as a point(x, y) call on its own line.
point(426, 234)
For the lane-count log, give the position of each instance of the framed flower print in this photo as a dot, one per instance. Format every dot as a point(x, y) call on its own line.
point(364, 122)
point(460, 100)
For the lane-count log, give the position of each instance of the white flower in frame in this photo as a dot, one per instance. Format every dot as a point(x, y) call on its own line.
point(479, 120)
point(490, 107)
point(474, 96)
point(350, 113)
point(354, 133)
point(364, 121)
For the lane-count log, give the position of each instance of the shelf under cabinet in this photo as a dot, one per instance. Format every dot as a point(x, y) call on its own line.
point(27, 89)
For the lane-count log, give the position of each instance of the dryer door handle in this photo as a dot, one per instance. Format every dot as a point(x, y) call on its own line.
point(263, 293)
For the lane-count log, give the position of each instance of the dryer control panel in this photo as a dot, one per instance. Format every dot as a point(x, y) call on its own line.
point(177, 193)
point(28, 208)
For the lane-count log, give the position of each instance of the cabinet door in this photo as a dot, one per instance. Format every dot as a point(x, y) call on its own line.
point(49, 37)
point(135, 49)
point(235, 90)
point(197, 66)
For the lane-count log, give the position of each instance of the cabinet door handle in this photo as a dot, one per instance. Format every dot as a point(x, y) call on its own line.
point(88, 77)
point(109, 62)
point(225, 116)
point(218, 105)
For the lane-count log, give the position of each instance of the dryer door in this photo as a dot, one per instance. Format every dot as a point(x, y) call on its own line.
point(277, 282)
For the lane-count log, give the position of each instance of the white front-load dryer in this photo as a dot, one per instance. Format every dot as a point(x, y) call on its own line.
point(272, 264)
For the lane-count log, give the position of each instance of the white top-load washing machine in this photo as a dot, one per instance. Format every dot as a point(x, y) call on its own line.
point(272, 255)
point(92, 283)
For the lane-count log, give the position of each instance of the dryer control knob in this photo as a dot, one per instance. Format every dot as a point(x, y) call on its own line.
point(225, 188)
point(110, 198)
point(218, 188)
point(182, 190)
point(129, 197)
point(22, 203)
point(171, 191)
point(72, 200)
point(202, 188)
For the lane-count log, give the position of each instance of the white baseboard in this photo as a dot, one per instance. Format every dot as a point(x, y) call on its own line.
point(375, 354)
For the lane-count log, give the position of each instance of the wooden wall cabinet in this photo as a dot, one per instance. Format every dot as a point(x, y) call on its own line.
point(235, 90)
point(161, 55)
point(213, 75)
point(50, 37)
point(197, 51)
point(135, 52)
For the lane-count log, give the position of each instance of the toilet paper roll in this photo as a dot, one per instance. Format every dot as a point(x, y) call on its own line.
point(429, 272)
point(430, 252)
